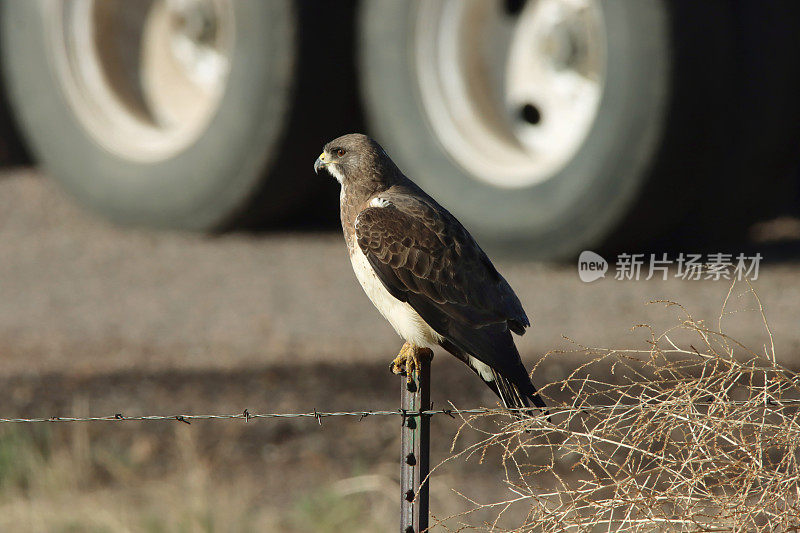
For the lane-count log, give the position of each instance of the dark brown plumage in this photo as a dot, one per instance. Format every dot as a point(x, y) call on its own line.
point(425, 258)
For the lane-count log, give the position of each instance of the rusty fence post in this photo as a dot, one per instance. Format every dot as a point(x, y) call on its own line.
point(415, 396)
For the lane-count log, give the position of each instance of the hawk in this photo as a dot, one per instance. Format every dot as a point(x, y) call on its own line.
point(425, 273)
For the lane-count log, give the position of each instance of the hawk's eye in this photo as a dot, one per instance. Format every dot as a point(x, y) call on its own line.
point(340, 152)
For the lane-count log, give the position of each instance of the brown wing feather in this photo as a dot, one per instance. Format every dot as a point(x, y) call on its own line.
point(420, 249)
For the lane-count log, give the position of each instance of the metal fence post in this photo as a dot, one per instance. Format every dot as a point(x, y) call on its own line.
point(415, 396)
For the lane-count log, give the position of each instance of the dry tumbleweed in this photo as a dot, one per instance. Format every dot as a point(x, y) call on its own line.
point(700, 434)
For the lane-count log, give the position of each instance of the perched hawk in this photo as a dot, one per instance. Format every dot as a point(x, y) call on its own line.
point(424, 271)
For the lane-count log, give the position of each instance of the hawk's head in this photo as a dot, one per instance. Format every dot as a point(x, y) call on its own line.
point(355, 157)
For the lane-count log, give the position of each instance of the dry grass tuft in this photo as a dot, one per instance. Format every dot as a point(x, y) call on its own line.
point(694, 433)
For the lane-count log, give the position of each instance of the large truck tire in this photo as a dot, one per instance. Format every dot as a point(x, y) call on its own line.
point(554, 126)
point(165, 113)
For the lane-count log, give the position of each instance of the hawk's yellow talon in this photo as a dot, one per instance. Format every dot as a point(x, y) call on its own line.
point(398, 366)
point(408, 360)
point(411, 365)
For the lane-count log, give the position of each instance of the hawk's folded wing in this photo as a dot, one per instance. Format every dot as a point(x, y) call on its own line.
point(425, 257)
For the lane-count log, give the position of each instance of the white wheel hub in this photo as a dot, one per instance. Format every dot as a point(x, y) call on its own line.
point(144, 78)
point(511, 89)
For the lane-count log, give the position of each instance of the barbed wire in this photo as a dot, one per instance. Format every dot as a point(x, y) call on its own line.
point(246, 415)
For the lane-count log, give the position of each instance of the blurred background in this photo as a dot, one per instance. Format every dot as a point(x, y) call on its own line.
point(166, 247)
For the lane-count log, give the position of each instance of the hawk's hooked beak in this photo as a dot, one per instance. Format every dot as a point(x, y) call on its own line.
point(319, 163)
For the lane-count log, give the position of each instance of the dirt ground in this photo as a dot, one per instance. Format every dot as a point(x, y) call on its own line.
point(97, 320)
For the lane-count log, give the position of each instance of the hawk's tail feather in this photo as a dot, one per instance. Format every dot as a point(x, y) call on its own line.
point(517, 393)
point(513, 398)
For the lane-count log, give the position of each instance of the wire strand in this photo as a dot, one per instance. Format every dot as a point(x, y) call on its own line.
point(318, 415)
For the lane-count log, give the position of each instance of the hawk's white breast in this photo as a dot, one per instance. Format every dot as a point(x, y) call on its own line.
point(407, 322)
